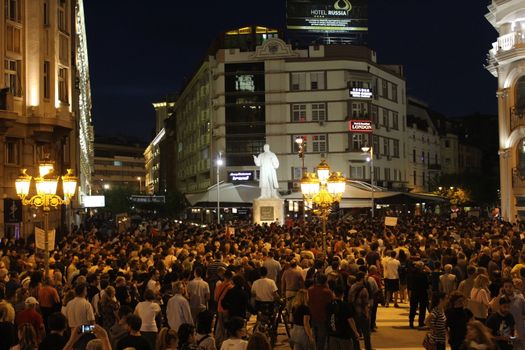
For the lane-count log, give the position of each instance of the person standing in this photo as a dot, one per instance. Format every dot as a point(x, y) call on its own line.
point(265, 292)
point(480, 298)
point(437, 321)
point(148, 310)
point(199, 293)
point(319, 297)
point(457, 318)
point(342, 329)
point(501, 323)
point(134, 339)
point(235, 302)
point(301, 336)
point(220, 291)
point(391, 274)
point(418, 285)
point(291, 282)
point(272, 265)
point(447, 281)
point(178, 309)
point(359, 297)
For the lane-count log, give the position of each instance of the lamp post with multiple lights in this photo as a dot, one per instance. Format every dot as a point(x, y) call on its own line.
point(46, 197)
point(219, 163)
point(370, 151)
point(323, 188)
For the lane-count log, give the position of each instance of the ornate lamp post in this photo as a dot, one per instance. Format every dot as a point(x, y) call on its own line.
point(323, 188)
point(46, 197)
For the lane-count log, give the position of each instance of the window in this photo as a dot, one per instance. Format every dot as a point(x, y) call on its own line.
point(299, 113)
point(245, 82)
point(423, 157)
point(295, 146)
point(358, 140)
point(387, 174)
point(447, 144)
point(384, 120)
point(47, 80)
point(395, 120)
point(520, 94)
point(415, 177)
point(62, 85)
point(13, 10)
point(12, 76)
point(394, 92)
point(435, 158)
point(298, 81)
point(396, 148)
point(384, 88)
point(395, 175)
point(423, 178)
point(63, 49)
point(319, 144)
point(318, 112)
point(356, 172)
point(12, 154)
point(13, 36)
point(375, 143)
point(62, 18)
point(385, 147)
point(360, 110)
point(297, 173)
point(45, 15)
point(317, 80)
point(414, 156)
point(373, 114)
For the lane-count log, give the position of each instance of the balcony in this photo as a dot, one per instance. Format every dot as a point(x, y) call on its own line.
point(517, 117)
point(509, 47)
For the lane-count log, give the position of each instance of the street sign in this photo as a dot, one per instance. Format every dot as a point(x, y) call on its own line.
point(360, 126)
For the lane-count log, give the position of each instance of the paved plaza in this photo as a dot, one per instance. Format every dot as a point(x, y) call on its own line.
point(392, 333)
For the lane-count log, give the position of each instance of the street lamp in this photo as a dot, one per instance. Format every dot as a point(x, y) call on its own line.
point(370, 150)
point(46, 197)
point(301, 144)
point(323, 188)
point(139, 179)
point(220, 162)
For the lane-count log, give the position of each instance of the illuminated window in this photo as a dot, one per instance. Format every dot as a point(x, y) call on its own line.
point(298, 113)
point(357, 172)
point(244, 83)
point(117, 163)
point(63, 49)
point(13, 37)
point(358, 140)
point(360, 110)
point(12, 76)
point(318, 112)
point(62, 85)
point(62, 17)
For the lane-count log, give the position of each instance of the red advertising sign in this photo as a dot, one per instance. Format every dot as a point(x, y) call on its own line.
point(360, 126)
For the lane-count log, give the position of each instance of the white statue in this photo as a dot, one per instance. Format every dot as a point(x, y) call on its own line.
point(268, 162)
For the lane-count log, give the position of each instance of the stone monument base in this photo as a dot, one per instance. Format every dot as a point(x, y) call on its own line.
point(268, 210)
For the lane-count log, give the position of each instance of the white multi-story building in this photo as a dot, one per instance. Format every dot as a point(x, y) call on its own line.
point(506, 61)
point(254, 89)
point(423, 147)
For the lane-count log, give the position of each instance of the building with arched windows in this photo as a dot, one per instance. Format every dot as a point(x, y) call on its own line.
point(506, 61)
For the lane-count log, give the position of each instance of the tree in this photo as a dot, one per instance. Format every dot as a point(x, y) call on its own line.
point(118, 199)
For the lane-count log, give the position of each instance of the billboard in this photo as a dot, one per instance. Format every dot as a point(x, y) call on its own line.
point(93, 201)
point(241, 176)
point(327, 16)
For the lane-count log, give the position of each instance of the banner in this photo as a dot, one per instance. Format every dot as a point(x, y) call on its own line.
point(40, 239)
point(390, 221)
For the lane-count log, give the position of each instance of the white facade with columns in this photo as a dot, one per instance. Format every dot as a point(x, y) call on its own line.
point(506, 61)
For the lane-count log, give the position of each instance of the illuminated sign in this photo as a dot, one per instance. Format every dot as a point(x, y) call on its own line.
point(361, 93)
point(240, 176)
point(333, 16)
point(148, 199)
point(360, 126)
point(93, 201)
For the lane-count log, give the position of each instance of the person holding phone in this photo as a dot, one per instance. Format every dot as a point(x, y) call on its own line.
point(96, 332)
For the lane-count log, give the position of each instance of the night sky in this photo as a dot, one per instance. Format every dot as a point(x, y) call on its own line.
point(140, 51)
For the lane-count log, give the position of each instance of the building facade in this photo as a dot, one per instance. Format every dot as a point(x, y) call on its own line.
point(43, 112)
point(253, 89)
point(506, 61)
point(118, 163)
point(424, 147)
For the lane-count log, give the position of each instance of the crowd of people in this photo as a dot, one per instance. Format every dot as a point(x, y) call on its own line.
point(172, 285)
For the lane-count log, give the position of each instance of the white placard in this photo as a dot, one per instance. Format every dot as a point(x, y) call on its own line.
point(390, 221)
point(40, 239)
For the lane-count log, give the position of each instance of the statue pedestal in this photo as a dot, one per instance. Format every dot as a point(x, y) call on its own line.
point(266, 211)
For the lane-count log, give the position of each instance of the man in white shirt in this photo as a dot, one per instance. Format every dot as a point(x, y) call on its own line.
point(391, 275)
point(265, 292)
point(79, 311)
point(178, 309)
point(199, 293)
point(153, 283)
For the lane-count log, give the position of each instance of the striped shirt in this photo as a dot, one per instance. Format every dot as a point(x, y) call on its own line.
point(438, 325)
